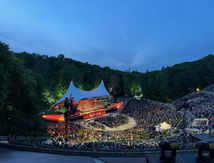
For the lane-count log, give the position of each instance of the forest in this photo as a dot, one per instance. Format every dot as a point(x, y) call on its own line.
point(31, 83)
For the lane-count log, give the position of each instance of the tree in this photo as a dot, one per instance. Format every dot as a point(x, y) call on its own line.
point(115, 86)
point(61, 56)
point(136, 90)
point(22, 97)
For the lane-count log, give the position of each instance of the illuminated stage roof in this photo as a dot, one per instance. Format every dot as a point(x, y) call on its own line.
point(78, 94)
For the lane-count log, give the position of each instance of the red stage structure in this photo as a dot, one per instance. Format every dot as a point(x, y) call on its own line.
point(91, 104)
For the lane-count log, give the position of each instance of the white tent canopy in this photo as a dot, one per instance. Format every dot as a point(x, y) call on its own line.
point(78, 94)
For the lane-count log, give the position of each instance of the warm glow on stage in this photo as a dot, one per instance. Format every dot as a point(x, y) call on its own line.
point(87, 108)
point(54, 117)
point(94, 114)
point(118, 105)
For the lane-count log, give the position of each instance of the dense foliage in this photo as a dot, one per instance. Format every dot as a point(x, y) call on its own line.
point(165, 85)
point(21, 96)
point(29, 81)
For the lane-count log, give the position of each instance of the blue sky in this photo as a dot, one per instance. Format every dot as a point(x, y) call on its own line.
point(121, 34)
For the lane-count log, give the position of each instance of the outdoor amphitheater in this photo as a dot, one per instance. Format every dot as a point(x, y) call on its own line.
point(93, 121)
point(102, 123)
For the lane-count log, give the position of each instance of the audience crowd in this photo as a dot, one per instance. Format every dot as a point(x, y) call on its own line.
point(147, 114)
point(113, 120)
point(102, 146)
point(150, 113)
point(200, 104)
point(210, 89)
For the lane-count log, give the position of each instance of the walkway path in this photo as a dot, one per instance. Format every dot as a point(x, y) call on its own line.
point(15, 156)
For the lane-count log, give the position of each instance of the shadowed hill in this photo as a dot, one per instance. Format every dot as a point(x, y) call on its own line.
point(28, 82)
point(165, 85)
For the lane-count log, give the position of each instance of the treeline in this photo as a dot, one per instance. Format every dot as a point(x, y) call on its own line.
point(21, 96)
point(164, 85)
point(30, 83)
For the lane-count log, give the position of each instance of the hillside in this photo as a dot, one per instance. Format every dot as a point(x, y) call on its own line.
point(164, 85)
point(167, 84)
point(30, 83)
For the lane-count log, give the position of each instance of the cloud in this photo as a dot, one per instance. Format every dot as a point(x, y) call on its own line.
point(116, 34)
